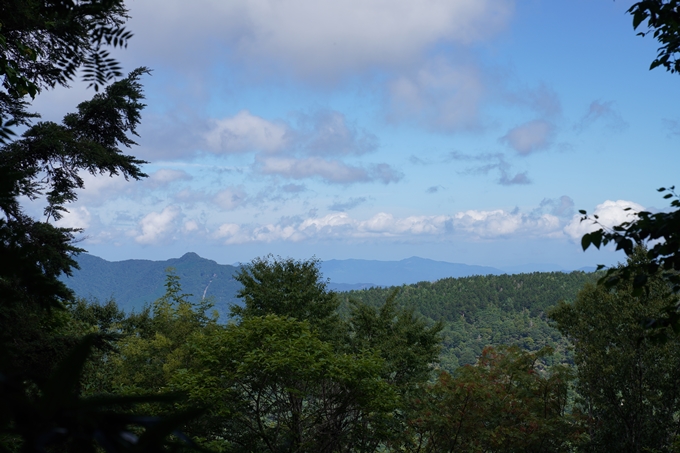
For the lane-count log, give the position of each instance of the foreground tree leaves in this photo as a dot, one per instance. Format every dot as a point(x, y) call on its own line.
point(657, 237)
point(54, 415)
point(48, 161)
point(663, 22)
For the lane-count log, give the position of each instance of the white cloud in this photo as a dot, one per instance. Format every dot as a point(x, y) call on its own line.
point(610, 213)
point(78, 217)
point(190, 226)
point(166, 176)
point(489, 162)
point(542, 100)
point(496, 224)
point(101, 188)
point(347, 205)
point(245, 132)
point(325, 132)
point(530, 137)
point(303, 150)
point(501, 223)
point(155, 226)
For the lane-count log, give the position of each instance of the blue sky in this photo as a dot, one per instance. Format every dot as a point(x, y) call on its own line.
point(466, 131)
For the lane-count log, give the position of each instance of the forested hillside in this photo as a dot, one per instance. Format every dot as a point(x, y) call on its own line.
point(486, 310)
point(134, 283)
point(476, 311)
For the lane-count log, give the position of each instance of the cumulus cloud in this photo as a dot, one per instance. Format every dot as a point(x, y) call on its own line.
point(602, 112)
point(518, 179)
point(333, 171)
point(312, 38)
point(672, 126)
point(310, 148)
point(473, 224)
point(530, 137)
point(78, 217)
point(190, 226)
point(439, 96)
point(610, 213)
point(501, 223)
point(245, 132)
point(156, 226)
point(99, 188)
point(325, 132)
point(542, 100)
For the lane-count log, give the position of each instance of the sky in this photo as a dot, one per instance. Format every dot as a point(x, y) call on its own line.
point(467, 131)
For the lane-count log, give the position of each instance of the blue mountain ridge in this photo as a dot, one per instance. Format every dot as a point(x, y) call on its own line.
point(134, 283)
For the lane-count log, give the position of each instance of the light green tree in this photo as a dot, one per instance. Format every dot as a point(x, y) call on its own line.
point(273, 385)
point(153, 347)
point(288, 287)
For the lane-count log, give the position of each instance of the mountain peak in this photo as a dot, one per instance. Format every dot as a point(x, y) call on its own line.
point(190, 256)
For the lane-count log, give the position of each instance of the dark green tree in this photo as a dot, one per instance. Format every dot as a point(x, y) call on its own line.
point(47, 162)
point(45, 43)
point(627, 378)
point(409, 347)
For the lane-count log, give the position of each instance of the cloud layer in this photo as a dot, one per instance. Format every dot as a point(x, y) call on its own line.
point(311, 38)
point(312, 147)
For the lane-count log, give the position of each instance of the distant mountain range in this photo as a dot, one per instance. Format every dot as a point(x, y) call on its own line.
point(133, 283)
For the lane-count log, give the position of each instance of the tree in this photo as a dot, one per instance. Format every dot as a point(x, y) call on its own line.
point(152, 350)
point(626, 378)
point(273, 385)
point(287, 287)
point(663, 21)
point(47, 161)
point(44, 44)
point(399, 349)
point(658, 232)
point(506, 402)
point(408, 345)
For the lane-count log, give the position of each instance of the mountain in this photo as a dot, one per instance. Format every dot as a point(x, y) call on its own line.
point(395, 273)
point(133, 283)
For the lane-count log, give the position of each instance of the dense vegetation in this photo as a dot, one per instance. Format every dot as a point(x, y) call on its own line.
point(488, 310)
point(298, 369)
